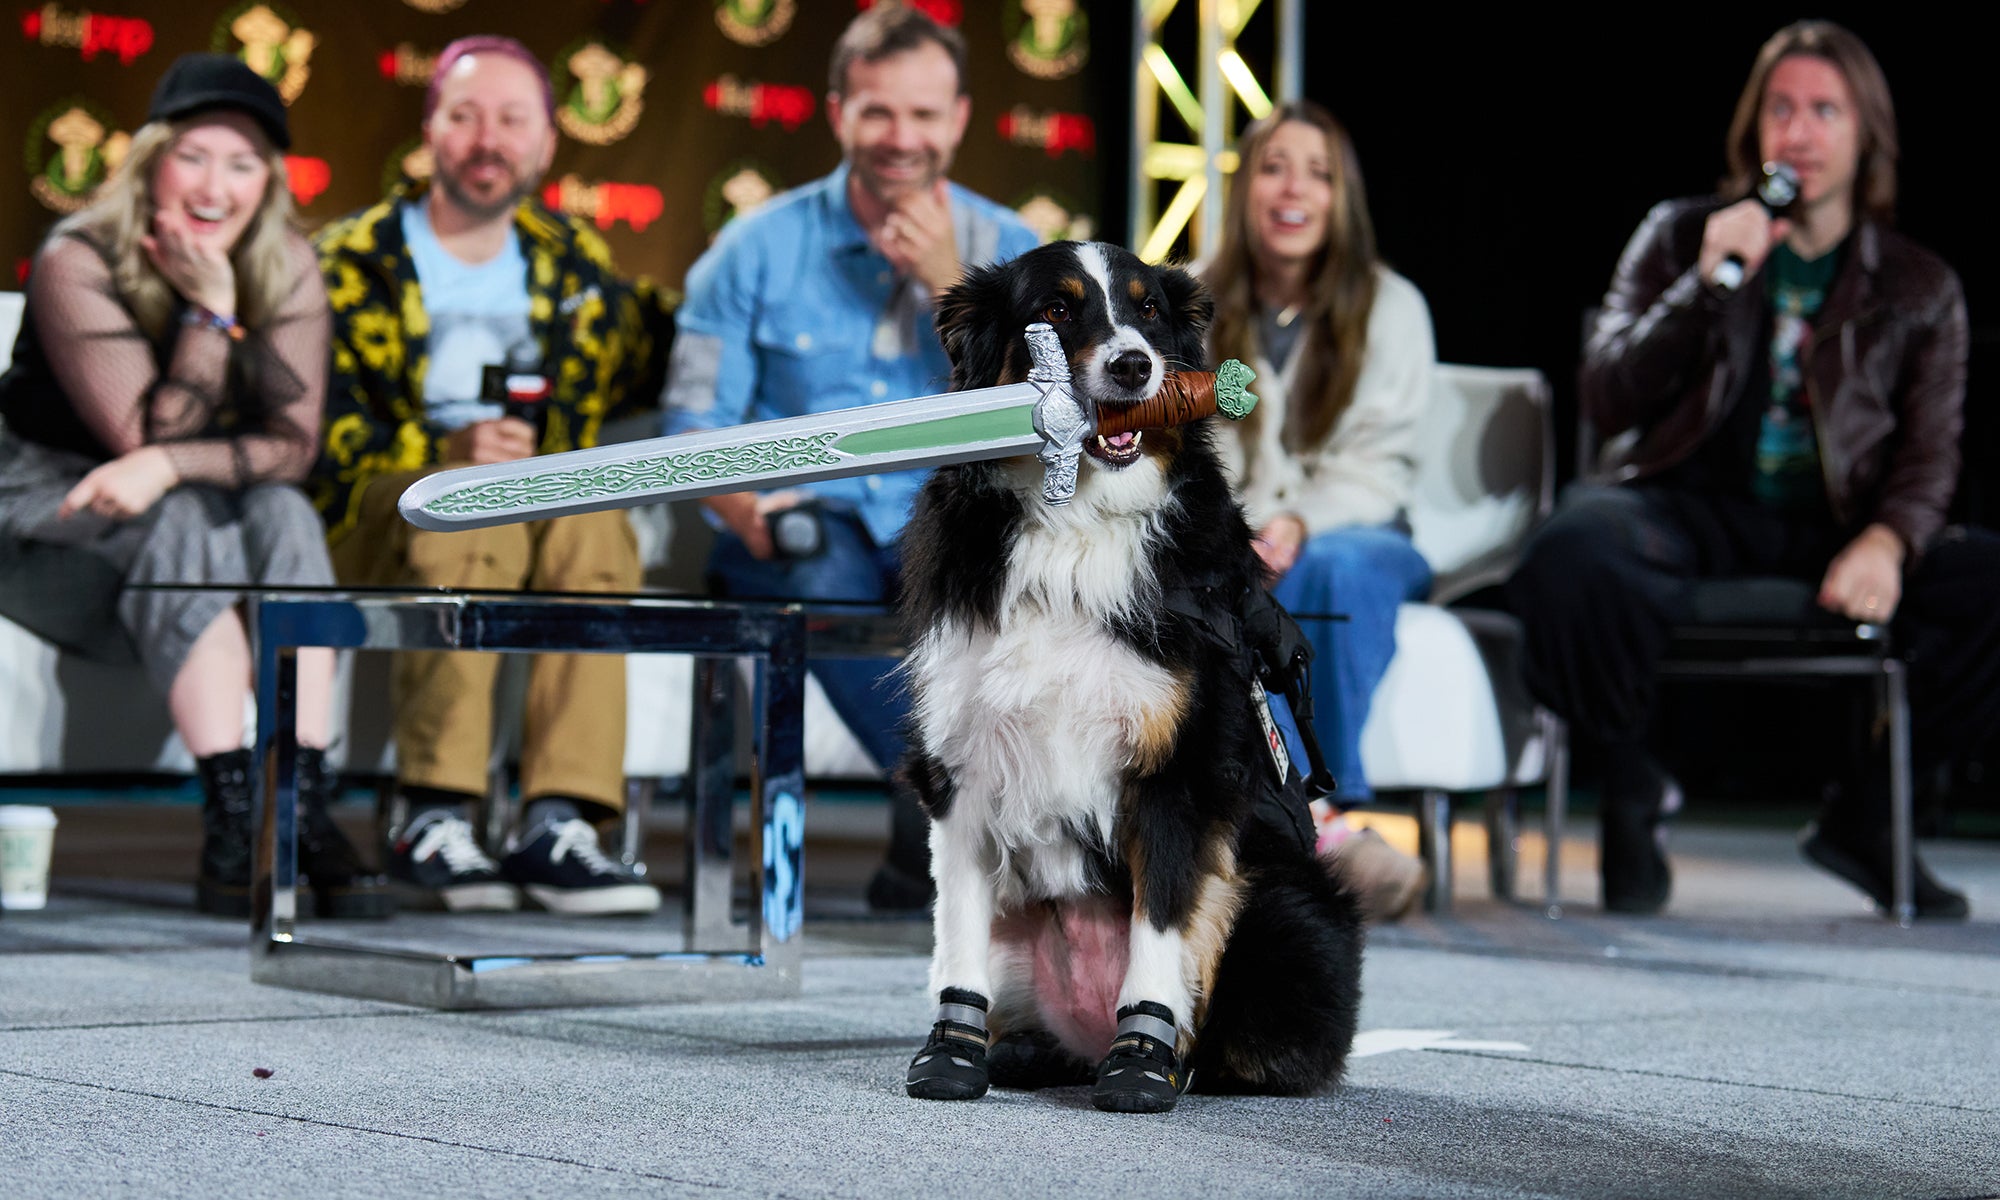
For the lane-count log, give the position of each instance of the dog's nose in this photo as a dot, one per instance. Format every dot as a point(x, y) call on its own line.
point(1130, 369)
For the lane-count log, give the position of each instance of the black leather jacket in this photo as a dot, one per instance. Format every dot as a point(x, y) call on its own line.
point(1885, 369)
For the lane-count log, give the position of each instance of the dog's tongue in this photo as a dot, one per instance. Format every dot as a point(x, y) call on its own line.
point(1121, 441)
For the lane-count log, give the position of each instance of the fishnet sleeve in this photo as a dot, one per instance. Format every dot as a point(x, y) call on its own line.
point(226, 412)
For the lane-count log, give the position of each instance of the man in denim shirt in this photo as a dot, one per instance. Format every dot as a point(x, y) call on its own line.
point(821, 301)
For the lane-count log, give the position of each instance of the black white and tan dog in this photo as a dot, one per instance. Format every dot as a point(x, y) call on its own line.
point(1126, 888)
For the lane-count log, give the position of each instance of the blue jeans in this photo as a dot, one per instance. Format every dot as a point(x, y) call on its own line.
point(871, 704)
point(1363, 572)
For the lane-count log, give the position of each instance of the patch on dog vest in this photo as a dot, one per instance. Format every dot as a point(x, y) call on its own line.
point(1273, 740)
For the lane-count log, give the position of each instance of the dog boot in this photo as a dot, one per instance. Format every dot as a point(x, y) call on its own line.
point(342, 885)
point(1141, 1074)
point(952, 1064)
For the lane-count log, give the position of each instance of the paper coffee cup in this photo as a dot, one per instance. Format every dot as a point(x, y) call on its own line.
point(27, 837)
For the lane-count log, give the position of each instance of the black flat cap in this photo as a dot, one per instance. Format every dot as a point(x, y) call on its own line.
point(199, 82)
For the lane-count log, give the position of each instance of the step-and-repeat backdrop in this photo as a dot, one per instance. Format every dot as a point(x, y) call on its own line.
point(675, 115)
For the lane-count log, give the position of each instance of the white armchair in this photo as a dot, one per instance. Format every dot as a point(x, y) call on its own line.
point(1452, 715)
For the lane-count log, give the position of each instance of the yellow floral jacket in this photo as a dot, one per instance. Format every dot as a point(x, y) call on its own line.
point(604, 346)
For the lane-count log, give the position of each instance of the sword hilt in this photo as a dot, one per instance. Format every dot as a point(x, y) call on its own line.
point(1185, 397)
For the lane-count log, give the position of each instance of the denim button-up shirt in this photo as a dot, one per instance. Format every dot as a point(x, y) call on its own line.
point(793, 311)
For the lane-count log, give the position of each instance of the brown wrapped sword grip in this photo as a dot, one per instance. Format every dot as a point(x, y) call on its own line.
point(1184, 397)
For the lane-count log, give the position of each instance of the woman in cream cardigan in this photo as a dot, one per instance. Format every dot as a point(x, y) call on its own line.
point(1343, 351)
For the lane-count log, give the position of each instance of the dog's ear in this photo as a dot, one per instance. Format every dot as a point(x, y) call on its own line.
point(1187, 298)
point(1192, 308)
point(972, 323)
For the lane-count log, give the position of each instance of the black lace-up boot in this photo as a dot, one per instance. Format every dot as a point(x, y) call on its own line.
point(342, 885)
point(222, 885)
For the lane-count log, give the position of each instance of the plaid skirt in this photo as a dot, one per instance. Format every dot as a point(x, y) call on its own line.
point(68, 580)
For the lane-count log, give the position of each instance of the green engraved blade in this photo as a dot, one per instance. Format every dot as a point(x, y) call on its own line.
point(927, 431)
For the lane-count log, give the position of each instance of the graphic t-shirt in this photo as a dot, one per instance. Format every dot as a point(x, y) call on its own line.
point(1786, 475)
point(479, 318)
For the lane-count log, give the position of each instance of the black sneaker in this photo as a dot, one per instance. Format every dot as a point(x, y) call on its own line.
point(1632, 849)
point(562, 868)
point(437, 860)
point(1866, 862)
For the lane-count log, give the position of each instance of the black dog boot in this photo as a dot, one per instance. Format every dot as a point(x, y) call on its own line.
point(222, 884)
point(1141, 1074)
point(952, 1064)
point(342, 885)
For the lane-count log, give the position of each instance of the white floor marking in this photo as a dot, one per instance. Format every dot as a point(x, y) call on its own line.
point(1382, 1041)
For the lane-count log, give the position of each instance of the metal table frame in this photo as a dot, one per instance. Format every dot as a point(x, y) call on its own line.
point(765, 959)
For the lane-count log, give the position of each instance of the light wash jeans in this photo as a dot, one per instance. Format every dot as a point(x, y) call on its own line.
point(1362, 572)
point(870, 703)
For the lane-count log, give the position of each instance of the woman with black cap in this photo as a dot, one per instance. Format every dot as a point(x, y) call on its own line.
point(164, 399)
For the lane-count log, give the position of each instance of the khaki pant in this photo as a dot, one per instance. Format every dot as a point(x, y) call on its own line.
point(573, 743)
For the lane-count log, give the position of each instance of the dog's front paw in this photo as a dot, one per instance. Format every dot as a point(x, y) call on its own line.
point(1141, 1074)
point(952, 1064)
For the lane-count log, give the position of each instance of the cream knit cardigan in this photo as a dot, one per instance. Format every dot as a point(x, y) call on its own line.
point(1361, 474)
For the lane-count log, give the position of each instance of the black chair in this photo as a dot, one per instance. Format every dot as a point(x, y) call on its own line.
point(1765, 628)
point(1769, 628)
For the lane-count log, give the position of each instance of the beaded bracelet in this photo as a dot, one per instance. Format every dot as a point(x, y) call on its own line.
point(202, 318)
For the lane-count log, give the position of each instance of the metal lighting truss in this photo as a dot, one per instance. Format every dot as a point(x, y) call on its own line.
point(1223, 79)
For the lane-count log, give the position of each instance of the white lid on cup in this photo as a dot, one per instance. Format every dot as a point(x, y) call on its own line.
point(26, 816)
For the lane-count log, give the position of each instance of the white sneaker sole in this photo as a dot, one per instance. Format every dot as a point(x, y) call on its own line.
point(629, 898)
point(479, 897)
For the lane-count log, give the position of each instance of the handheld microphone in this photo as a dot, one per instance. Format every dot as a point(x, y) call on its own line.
point(1777, 190)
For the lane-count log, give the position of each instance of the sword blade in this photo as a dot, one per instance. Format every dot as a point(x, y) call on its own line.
point(927, 431)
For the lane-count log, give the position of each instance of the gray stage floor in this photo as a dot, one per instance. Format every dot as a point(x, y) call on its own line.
point(1769, 1038)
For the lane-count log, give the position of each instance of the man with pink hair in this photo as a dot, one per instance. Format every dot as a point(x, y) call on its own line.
point(528, 343)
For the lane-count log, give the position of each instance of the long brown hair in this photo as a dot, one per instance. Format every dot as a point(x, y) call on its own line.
point(122, 212)
point(1342, 288)
point(1875, 181)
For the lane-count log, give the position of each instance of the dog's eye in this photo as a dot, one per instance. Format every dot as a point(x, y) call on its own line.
point(1149, 308)
point(1056, 314)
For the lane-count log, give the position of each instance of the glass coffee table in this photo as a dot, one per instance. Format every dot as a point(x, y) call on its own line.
point(712, 955)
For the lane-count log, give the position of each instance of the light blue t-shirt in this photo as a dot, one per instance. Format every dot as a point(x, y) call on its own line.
point(479, 314)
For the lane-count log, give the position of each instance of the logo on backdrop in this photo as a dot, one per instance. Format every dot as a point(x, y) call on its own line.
point(271, 40)
point(1049, 39)
point(599, 94)
point(754, 22)
point(72, 147)
point(306, 177)
point(1054, 132)
point(409, 162)
point(740, 188)
point(1053, 220)
point(406, 64)
point(605, 204)
point(788, 104)
point(91, 33)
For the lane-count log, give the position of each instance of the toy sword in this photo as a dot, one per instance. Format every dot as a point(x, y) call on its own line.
point(1041, 416)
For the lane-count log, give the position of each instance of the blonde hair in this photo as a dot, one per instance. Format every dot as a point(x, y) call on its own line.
point(122, 213)
point(1341, 288)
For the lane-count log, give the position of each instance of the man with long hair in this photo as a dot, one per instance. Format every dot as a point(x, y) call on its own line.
point(506, 287)
point(1801, 423)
